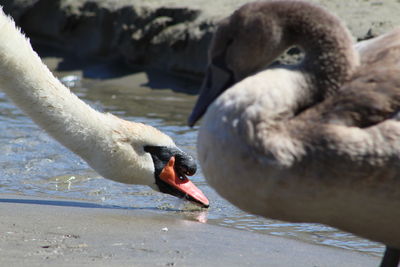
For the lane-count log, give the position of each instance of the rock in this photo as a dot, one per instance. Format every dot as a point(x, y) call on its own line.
point(167, 35)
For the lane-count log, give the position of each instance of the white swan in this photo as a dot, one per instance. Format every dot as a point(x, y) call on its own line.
point(318, 142)
point(119, 150)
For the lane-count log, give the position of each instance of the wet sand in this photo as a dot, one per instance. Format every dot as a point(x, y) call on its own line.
point(54, 232)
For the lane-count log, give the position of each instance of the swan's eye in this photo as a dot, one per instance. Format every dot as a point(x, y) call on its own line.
point(229, 42)
point(219, 60)
point(161, 155)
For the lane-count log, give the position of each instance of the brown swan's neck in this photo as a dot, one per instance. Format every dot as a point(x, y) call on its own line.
point(328, 46)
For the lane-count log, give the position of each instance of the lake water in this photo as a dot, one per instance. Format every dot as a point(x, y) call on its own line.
point(32, 164)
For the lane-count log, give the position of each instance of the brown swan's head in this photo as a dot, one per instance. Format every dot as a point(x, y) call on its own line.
point(257, 33)
point(243, 43)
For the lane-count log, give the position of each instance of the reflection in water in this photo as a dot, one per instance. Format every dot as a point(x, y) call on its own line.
point(33, 164)
point(202, 217)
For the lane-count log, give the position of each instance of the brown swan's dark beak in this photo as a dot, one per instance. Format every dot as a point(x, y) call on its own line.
point(181, 183)
point(216, 81)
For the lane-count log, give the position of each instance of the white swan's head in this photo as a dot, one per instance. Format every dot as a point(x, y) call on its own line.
point(135, 153)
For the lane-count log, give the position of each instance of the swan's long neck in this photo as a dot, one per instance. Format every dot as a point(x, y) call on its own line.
point(328, 46)
point(33, 88)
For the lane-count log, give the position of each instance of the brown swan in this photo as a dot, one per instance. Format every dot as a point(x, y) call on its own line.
point(316, 142)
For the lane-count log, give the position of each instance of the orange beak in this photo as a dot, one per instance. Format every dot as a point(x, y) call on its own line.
point(182, 183)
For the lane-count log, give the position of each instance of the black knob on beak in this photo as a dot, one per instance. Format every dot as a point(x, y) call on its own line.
point(185, 164)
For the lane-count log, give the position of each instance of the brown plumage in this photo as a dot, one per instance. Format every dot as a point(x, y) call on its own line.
point(372, 96)
point(317, 142)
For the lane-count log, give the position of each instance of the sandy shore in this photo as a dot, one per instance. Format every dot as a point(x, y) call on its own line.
point(166, 35)
point(52, 232)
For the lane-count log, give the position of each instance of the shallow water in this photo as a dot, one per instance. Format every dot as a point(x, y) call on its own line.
point(33, 164)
